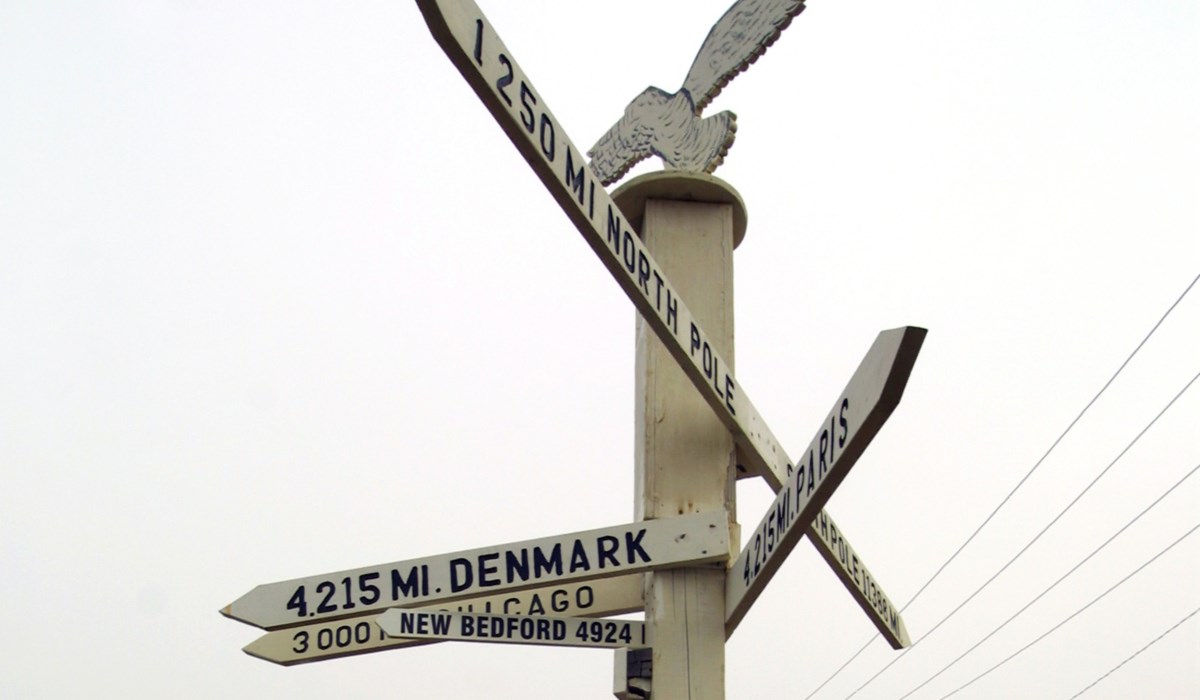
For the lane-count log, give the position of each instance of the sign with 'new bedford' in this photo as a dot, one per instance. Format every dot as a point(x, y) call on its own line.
point(637, 547)
point(334, 639)
point(513, 629)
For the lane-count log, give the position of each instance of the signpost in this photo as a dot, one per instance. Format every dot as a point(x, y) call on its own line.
point(625, 549)
point(513, 629)
point(489, 68)
point(548, 591)
point(350, 637)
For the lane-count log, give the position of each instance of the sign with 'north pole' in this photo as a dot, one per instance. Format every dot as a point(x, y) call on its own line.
point(625, 549)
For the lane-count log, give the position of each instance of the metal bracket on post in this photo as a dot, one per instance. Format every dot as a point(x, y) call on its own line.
point(631, 673)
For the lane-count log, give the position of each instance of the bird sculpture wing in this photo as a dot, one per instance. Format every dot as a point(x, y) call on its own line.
point(630, 140)
point(737, 40)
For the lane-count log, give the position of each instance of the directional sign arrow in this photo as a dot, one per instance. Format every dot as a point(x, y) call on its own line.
point(690, 540)
point(340, 638)
point(471, 44)
point(513, 629)
point(857, 415)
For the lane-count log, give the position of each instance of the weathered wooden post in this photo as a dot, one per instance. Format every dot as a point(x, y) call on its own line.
point(684, 455)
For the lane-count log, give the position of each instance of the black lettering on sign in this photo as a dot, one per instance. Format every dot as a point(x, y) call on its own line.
point(627, 251)
point(519, 567)
point(606, 550)
point(301, 640)
point(527, 103)
point(546, 137)
point(843, 422)
point(479, 42)
point(461, 574)
point(547, 564)
point(633, 546)
point(643, 272)
point(505, 80)
point(298, 603)
point(574, 179)
point(824, 445)
point(366, 587)
point(485, 570)
point(613, 233)
point(324, 606)
point(416, 583)
point(579, 558)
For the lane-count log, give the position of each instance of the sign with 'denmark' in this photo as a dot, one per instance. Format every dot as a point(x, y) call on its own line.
point(624, 549)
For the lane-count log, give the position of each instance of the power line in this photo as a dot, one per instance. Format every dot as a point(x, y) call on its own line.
point(1008, 497)
point(1036, 537)
point(1072, 616)
point(1136, 653)
point(1052, 586)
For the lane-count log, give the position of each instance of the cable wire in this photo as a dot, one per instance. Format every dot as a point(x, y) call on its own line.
point(1014, 489)
point(1136, 653)
point(1036, 537)
point(1052, 586)
point(1072, 616)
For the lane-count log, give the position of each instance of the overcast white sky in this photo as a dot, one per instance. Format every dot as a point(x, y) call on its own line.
point(277, 298)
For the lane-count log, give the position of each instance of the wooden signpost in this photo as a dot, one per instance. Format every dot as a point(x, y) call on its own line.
point(675, 562)
point(489, 68)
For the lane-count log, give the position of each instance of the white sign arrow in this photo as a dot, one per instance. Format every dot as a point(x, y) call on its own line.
point(333, 640)
point(856, 416)
point(513, 629)
point(690, 540)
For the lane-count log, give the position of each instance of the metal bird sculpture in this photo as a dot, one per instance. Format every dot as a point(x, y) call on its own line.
point(669, 125)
